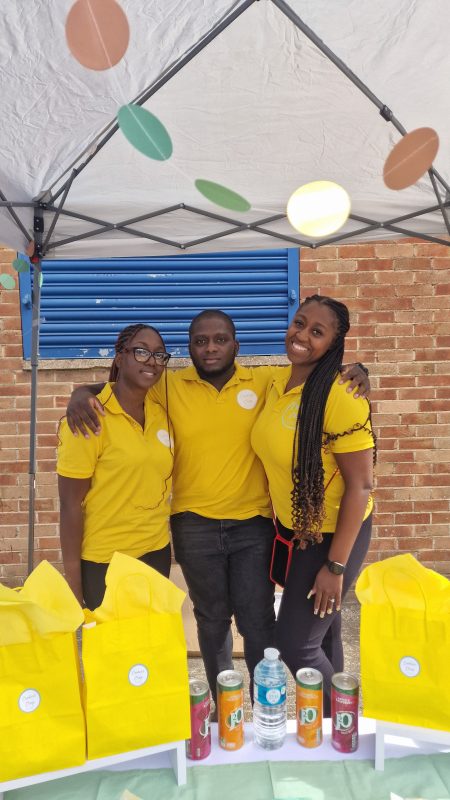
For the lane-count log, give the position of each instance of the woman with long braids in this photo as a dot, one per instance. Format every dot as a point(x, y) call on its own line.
point(114, 487)
point(316, 444)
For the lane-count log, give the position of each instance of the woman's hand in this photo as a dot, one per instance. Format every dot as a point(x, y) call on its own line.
point(359, 379)
point(327, 592)
point(82, 412)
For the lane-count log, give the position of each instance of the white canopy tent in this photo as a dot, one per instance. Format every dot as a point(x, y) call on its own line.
point(261, 96)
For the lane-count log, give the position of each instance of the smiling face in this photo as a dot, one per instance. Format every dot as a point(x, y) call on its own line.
point(213, 347)
point(134, 373)
point(310, 335)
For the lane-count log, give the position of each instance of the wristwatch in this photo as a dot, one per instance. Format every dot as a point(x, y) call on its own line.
point(335, 567)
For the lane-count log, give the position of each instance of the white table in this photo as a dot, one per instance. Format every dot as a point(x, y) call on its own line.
point(377, 740)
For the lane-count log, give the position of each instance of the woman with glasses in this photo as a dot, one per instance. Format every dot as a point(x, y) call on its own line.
point(114, 487)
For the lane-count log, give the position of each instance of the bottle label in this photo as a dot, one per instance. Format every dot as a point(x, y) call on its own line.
point(270, 696)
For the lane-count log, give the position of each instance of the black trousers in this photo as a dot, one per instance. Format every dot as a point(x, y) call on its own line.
point(303, 638)
point(93, 574)
point(225, 563)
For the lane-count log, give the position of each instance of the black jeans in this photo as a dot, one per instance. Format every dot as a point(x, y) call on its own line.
point(93, 574)
point(304, 639)
point(226, 564)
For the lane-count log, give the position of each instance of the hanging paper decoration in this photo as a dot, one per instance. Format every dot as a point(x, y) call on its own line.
point(97, 33)
point(411, 157)
point(222, 196)
point(145, 132)
point(7, 281)
point(318, 208)
point(20, 265)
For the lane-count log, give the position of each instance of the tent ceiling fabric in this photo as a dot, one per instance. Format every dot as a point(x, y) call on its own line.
point(260, 110)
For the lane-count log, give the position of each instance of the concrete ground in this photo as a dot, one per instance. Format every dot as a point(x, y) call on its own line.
point(350, 630)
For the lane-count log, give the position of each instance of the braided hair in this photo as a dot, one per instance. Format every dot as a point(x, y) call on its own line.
point(308, 492)
point(125, 336)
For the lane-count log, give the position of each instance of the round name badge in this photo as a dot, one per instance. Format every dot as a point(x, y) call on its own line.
point(29, 700)
point(409, 666)
point(163, 437)
point(247, 399)
point(138, 675)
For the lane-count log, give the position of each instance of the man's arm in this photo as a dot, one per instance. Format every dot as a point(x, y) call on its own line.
point(358, 375)
point(83, 409)
point(72, 492)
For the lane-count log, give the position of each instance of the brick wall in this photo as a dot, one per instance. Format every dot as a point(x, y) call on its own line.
point(399, 297)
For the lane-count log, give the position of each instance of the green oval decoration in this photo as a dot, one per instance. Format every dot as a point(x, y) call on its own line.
point(145, 132)
point(20, 265)
point(41, 278)
point(7, 281)
point(222, 196)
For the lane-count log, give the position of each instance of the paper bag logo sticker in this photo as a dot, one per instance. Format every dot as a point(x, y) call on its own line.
point(29, 701)
point(138, 675)
point(409, 666)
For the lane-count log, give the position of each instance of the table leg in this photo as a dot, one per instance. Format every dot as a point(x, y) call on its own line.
point(178, 761)
point(379, 747)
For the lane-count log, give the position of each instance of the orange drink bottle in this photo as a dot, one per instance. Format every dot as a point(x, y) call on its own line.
point(309, 700)
point(230, 703)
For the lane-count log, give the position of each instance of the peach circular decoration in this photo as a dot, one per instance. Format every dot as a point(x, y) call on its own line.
point(411, 157)
point(97, 33)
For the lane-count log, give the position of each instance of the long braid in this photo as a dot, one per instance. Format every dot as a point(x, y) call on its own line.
point(125, 336)
point(308, 492)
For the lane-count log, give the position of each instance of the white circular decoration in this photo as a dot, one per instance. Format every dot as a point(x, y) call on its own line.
point(138, 675)
point(318, 208)
point(409, 666)
point(29, 700)
point(163, 437)
point(247, 399)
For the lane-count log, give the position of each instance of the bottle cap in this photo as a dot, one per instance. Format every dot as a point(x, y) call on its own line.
point(271, 654)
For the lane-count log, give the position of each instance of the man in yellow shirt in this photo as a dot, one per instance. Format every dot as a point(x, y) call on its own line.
point(221, 523)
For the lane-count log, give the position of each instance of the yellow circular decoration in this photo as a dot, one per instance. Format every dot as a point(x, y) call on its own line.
point(318, 208)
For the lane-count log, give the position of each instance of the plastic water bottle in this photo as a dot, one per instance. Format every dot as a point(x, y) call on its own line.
point(269, 709)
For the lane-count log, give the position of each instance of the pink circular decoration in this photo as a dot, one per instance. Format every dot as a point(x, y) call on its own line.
point(97, 33)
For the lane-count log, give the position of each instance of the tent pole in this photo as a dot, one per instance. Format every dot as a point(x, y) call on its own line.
point(385, 112)
point(36, 306)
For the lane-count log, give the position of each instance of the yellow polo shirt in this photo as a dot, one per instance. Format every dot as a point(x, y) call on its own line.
point(216, 473)
point(273, 441)
point(127, 505)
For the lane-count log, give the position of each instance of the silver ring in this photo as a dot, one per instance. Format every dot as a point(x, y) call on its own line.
point(331, 599)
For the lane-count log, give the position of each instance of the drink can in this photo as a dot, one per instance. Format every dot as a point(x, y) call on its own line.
point(309, 701)
point(230, 703)
point(199, 745)
point(344, 712)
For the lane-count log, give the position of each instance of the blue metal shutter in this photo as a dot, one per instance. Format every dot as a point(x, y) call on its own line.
point(85, 304)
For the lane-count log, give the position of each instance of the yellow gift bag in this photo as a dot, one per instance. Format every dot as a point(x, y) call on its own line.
point(405, 643)
point(41, 716)
point(136, 687)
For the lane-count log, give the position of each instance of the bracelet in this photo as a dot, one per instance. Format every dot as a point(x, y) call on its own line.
point(361, 366)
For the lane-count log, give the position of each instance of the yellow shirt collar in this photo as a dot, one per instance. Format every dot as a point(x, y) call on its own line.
point(241, 374)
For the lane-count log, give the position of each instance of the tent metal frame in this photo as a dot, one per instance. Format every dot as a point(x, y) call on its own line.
point(45, 207)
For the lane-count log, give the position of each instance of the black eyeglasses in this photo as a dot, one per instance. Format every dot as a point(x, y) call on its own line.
point(142, 355)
